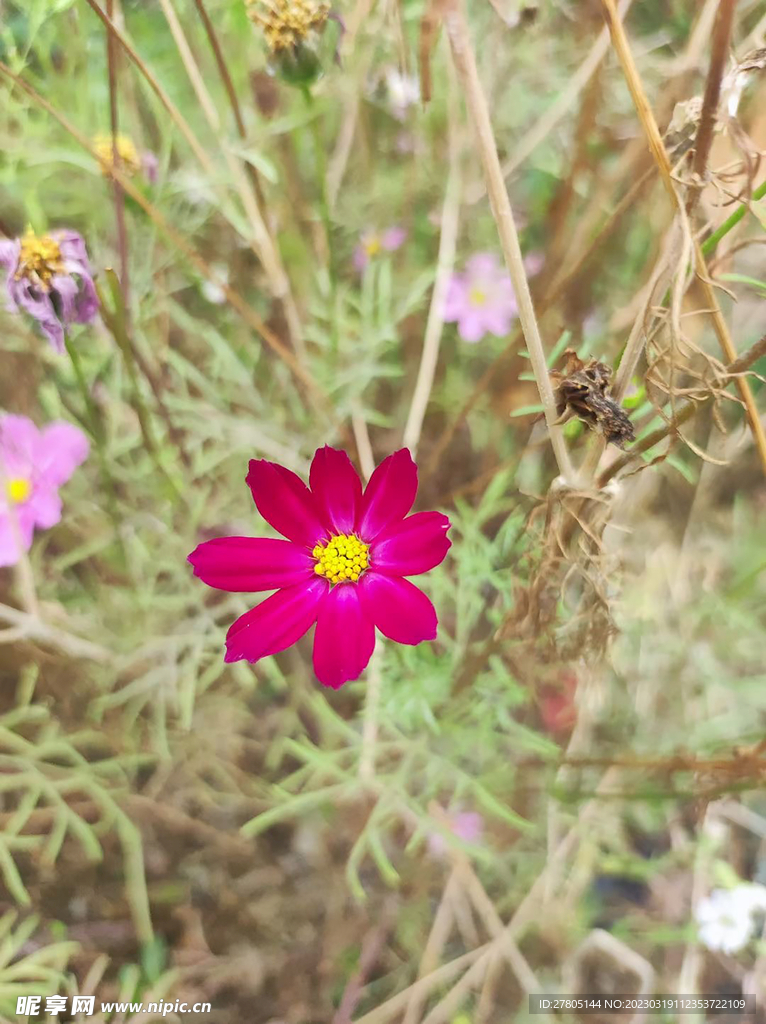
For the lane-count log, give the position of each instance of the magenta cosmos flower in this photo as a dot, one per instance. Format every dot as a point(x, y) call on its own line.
point(49, 277)
point(481, 299)
point(33, 465)
point(373, 243)
point(342, 566)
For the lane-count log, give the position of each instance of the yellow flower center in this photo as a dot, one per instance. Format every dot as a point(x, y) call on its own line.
point(286, 23)
point(372, 246)
point(343, 558)
point(477, 297)
point(130, 161)
point(40, 257)
point(18, 489)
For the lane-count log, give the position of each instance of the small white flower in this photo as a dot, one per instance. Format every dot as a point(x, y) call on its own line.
point(750, 897)
point(402, 90)
point(726, 918)
point(212, 291)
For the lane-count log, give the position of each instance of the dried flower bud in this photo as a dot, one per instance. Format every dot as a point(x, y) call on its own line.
point(293, 31)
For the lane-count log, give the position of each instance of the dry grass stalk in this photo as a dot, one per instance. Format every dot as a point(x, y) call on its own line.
point(657, 147)
point(476, 103)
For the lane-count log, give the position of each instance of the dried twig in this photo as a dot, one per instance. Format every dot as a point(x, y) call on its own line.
point(733, 370)
point(476, 102)
point(234, 298)
point(445, 262)
point(657, 147)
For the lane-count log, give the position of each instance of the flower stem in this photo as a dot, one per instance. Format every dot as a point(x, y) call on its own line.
point(320, 159)
point(371, 714)
point(96, 427)
point(476, 102)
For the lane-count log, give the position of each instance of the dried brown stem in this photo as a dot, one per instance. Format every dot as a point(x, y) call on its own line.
point(657, 147)
point(248, 314)
point(119, 197)
point(476, 103)
point(709, 115)
point(689, 409)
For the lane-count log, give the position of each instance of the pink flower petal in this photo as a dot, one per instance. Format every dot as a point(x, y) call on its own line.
point(249, 564)
point(9, 253)
point(466, 825)
point(344, 638)
point(285, 502)
point(60, 449)
point(9, 546)
point(471, 326)
point(336, 487)
point(361, 259)
point(398, 608)
point(389, 495)
point(19, 439)
point(393, 238)
point(276, 623)
point(455, 300)
point(44, 506)
point(498, 321)
point(414, 545)
point(483, 265)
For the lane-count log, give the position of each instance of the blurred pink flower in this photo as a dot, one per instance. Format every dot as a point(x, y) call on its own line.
point(150, 165)
point(465, 825)
point(33, 465)
point(372, 243)
point(481, 298)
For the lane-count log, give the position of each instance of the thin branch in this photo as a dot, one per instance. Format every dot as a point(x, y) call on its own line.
point(265, 247)
point(223, 69)
point(119, 197)
point(689, 409)
point(657, 147)
point(709, 115)
point(445, 262)
point(154, 84)
point(35, 629)
point(465, 62)
point(564, 101)
point(248, 314)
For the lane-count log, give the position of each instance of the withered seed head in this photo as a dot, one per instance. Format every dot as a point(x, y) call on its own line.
point(288, 23)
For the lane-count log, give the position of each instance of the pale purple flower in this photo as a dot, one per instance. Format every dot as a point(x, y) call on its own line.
point(33, 465)
point(465, 825)
point(150, 165)
point(372, 243)
point(481, 299)
point(49, 276)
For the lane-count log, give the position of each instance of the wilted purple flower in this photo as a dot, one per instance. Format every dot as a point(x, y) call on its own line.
point(465, 825)
point(372, 243)
point(50, 277)
point(33, 465)
point(481, 299)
